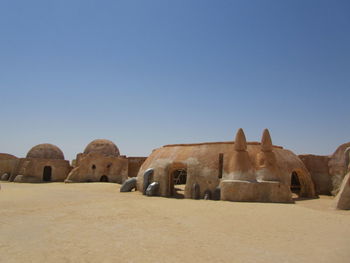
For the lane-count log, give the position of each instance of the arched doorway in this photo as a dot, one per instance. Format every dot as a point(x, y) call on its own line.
point(177, 183)
point(295, 185)
point(47, 174)
point(104, 178)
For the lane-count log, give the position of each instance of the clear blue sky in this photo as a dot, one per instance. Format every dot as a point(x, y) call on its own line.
point(148, 73)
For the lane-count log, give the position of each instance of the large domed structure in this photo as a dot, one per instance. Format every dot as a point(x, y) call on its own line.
point(44, 163)
point(100, 162)
point(103, 147)
point(45, 151)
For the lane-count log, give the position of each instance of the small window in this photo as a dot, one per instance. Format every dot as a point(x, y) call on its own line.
point(109, 165)
point(93, 167)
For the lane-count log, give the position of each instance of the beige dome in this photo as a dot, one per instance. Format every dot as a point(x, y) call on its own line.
point(45, 151)
point(101, 146)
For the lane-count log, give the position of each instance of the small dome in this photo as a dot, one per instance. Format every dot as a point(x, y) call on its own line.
point(45, 151)
point(101, 146)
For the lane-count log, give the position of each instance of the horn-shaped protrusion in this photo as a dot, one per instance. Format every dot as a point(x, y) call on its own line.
point(267, 169)
point(240, 141)
point(266, 142)
point(240, 166)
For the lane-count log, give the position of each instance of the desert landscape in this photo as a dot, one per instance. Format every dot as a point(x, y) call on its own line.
point(94, 222)
point(175, 131)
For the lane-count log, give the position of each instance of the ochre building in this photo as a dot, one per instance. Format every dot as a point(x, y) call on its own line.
point(43, 163)
point(101, 162)
point(235, 171)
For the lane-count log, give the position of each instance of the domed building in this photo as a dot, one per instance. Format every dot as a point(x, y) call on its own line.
point(234, 171)
point(45, 151)
point(43, 163)
point(101, 162)
point(103, 147)
point(8, 163)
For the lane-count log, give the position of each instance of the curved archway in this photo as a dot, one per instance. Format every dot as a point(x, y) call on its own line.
point(295, 186)
point(104, 178)
point(301, 184)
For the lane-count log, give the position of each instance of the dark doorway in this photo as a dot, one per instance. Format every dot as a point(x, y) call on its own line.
point(177, 182)
point(179, 176)
point(295, 186)
point(47, 174)
point(104, 178)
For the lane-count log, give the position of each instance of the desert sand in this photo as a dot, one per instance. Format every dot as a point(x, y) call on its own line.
point(94, 222)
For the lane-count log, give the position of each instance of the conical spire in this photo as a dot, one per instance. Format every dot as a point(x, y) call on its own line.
point(240, 141)
point(266, 142)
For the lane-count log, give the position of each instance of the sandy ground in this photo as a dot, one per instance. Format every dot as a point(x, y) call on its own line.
point(94, 222)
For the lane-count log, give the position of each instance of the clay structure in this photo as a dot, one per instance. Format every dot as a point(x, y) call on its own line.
point(100, 161)
point(234, 171)
point(342, 200)
point(8, 163)
point(328, 172)
point(43, 163)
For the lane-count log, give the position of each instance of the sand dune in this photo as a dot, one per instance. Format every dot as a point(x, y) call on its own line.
point(93, 222)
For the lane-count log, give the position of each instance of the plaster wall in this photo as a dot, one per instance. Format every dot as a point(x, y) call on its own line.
point(8, 166)
point(134, 164)
point(91, 167)
point(202, 164)
point(338, 166)
point(319, 170)
point(32, 170)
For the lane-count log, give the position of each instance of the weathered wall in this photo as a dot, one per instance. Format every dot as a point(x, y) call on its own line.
point(319, 170)
point(8, 163)
point(202, 164)
point(31, 170)
point(338, 166)
point(342, 199)
point(91, 167)
point(134, 164)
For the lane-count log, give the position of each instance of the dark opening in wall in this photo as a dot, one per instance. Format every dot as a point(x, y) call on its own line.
point(295, 186)
point(177, 183)
point(180, 176)
point(104, 178)
point(47, 173)
point(93, 167)
point(221, 164)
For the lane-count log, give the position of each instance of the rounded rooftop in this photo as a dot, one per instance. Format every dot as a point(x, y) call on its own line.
point(6, 156)
point(102, 146)
point(45, 151)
